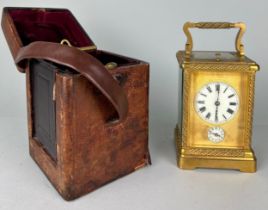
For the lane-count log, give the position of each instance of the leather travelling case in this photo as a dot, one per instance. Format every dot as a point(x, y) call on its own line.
point(87, 108)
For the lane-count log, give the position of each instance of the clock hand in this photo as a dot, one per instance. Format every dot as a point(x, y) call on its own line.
point(215, 134)
point(217, 104)
point(216, 114)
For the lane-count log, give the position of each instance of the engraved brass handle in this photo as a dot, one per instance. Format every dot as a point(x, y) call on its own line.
point(214, 25)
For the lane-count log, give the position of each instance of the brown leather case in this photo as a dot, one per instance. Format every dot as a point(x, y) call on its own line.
point(87, 125)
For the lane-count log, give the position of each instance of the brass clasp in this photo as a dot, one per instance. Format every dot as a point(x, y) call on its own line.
point(86, 48)
point(108, 66)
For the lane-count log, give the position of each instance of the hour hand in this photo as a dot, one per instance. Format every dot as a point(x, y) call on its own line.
point(216, 134)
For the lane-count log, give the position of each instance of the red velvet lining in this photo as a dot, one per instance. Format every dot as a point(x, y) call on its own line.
point(51, 25)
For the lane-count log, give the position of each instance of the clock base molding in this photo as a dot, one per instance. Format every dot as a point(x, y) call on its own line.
point(187, 163)
point(192, 158)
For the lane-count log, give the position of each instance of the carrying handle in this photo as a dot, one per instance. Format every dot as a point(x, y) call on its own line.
point(82, 62)
point(214, 25)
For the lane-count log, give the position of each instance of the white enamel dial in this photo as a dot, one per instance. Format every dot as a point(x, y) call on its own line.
point(215, 134)
point(217, 102)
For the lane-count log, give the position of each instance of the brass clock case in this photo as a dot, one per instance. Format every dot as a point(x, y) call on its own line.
point(198, 68)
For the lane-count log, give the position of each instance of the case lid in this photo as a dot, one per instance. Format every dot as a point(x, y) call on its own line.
point(25, 25)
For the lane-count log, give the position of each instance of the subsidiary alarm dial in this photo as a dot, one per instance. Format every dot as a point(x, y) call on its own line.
point(215, 134)
point(217, 102)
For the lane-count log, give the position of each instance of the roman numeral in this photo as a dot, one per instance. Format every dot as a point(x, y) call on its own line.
point(218, 87)
point(209, 89)
point(230, 96)
point(202, 109)
point(208, 115)
point(203, 94)
point(233, 103)
point(225, 89)
point(224, 117)
point(230, 111)
point(201, 102)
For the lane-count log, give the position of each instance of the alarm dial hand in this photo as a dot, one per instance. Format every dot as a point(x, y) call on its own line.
point(216, 134)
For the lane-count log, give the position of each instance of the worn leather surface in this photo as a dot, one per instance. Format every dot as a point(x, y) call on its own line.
point(104, 151)
point(91, 150)
point(83, 63)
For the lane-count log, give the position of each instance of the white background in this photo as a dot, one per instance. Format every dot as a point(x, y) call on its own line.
point(151, 31)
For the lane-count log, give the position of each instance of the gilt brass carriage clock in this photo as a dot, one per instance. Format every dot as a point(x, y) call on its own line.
point(216, 110)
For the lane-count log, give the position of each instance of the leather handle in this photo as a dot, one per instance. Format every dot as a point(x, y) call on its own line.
point(81, 62)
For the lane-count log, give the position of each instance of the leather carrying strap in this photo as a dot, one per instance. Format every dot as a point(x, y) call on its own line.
point(81, 62)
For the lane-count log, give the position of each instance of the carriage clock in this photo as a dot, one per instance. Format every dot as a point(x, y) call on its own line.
point(217, 96)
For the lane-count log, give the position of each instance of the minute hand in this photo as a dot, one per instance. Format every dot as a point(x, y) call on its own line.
point(217, 104)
